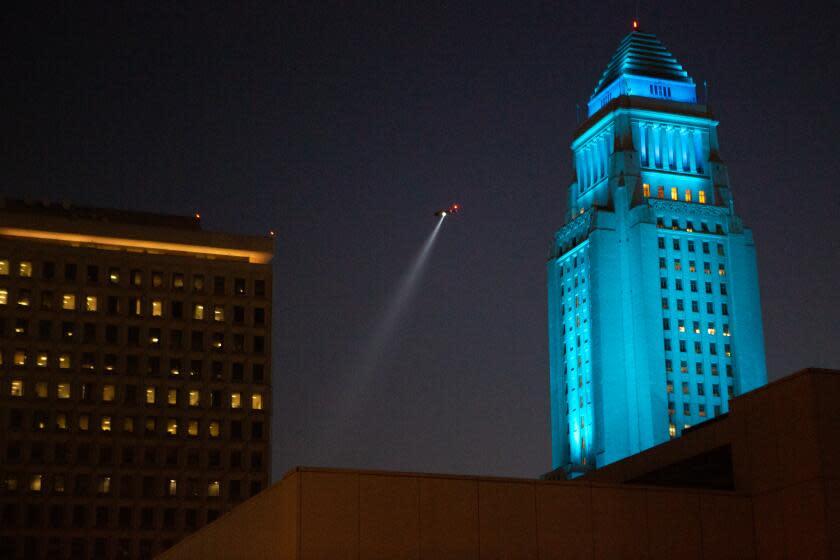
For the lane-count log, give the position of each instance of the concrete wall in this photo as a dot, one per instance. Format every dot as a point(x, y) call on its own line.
point(329, 514)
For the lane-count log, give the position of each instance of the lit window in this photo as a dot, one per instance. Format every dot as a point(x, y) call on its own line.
point(681, 325)
point(646, 190)
point(192, 428)
point(150, 395)
point(84, 422)
point(674, 194)
point(25, 269)
point(701, 197)
point(683, 366)
point(35, 482)
point(701, 410)
point(660, 192)
point(68, 301)
point(195, 398)
point(64, 361)
point(178, 281)
point(4, 297)
point(105, 424)
point(721, 270)
point(692, 266)
point(90, 303)
point(213, 489)
point(172, 427)
point(172, 396)
point(672, 430)
point(20, 358)
point(256, 401)
point(198, 312)
point(172, 487)
point(104, 485)
point(157, 279)
point(61, 421)
point(63, 390)
point(41, 390)
point(108, 393)
point(114, 275)
point(4, 268)
point(16, 389)
point(687, 195)
point(42, 360)
point(726, 330)
point(236, 400)
point(157, 308)
point(218, 340)
point(669, 387)
point(677, 264)
point(213, 428)
point(218, 313)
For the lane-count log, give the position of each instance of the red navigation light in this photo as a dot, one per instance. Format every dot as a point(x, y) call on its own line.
point(635, 25)
point(454, 208)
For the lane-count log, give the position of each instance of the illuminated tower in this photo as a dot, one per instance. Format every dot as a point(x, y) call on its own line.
point(654, 316)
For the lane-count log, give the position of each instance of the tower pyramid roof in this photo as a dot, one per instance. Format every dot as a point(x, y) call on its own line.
point(642, 54)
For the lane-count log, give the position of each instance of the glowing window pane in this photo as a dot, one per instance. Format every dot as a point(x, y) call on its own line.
point(236, 400)
point(4, 297)
point(104, 485)
point(20, 358)
point(646, 190)
point(114, 275)
point(35, 482)
point(42, 360)
point(157, 308)
point(688, 195)
point(256, 401)
point(701, 197)
point(214, 428)
point(172, 396)
point(63, 390)
point(108, 393)
point(61, 421)
point(68, 301)
point(195, 398)
point(150, 395)
point(674, 194)
point(213, 489)
point(172, 427)
point(218, 314)
point(672, 430)
point(192, 428)
point(90, 303)
point(172, 487)
point(105, 424)
point(198, 312)
point(4, 268)
point(64, 361)
point(25, 269)
point(16, 389)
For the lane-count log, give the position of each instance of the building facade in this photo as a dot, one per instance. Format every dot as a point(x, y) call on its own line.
point(134, 379)
point(654, 314)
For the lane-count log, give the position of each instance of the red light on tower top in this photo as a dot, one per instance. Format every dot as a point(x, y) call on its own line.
point(635, 25)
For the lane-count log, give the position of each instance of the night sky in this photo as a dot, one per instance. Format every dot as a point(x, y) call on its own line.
point(344, 127)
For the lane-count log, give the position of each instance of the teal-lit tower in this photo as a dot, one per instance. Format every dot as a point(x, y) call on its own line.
point(654, 317)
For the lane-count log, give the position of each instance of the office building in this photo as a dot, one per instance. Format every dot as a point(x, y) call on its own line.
point(135, 384)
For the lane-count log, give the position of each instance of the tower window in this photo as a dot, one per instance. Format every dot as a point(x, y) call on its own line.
point(688, 195)
point(660, 192)
point(646, 190)
point(674, 194)
point(701, 197)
